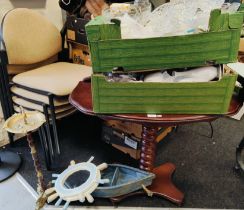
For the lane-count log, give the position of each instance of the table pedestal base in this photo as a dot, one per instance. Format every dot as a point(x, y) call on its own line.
point(162, 186)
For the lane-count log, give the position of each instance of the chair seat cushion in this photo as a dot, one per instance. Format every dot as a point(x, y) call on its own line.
point(58, 101)
point(65, 113)
point(57, 78)
point(32, 106)
point(59, 115)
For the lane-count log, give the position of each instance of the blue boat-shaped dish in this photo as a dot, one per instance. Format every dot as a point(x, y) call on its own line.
point(123, 180)
point(104, 180)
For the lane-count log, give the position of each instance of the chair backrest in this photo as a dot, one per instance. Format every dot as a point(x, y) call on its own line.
point(29, 37)
point(14, 69)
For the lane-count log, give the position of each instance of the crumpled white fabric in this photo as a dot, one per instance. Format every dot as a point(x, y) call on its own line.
point(202, 74)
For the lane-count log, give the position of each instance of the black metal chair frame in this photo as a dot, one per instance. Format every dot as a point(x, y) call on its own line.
point(8, 108)
point(239, 159)
point(44, 134)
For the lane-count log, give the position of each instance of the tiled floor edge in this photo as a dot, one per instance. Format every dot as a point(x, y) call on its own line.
point(51, 207)
point(27, 185)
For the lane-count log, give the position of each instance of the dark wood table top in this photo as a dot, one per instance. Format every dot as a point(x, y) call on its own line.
point(81, 98)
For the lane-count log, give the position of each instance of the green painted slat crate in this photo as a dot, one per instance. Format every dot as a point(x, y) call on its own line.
point(161, 98)
point(220, 45)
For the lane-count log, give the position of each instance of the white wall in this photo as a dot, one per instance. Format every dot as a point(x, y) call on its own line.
point(49, 8)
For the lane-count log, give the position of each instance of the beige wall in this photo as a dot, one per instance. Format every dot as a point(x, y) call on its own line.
point(49, 8)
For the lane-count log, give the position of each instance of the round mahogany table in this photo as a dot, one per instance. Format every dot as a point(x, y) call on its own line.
point(81, 98)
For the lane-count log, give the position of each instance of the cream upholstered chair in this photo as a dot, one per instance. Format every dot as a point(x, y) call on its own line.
point(30, 47)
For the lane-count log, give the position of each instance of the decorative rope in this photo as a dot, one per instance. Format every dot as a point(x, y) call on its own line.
point(149, 192)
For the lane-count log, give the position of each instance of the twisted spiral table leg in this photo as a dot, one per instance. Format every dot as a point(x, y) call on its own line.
point(40, 179)
point(162, 184)
point(148, 148)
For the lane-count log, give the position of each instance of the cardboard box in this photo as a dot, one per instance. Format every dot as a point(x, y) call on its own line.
point(241, 46)
point(76, 29)
point(126, 136)
point(127, 127)
point(134, 129)
point(80, 54)
point(77, 40)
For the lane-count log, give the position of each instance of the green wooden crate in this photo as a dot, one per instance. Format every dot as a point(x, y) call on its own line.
point(219, 45)
point(161, 98)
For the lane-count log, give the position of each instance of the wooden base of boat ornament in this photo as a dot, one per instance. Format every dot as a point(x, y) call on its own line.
point(162, 185)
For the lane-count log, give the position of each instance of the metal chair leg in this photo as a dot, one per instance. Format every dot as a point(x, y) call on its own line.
point(212, 130)
point(53, 117)
point(6, 83)
point(4, 104)
point(49, 135)
point(3, 98)
point(11, 139)
point(55, 132)
point(239, 157)
point(45, 135)
point(3, 94)
point(44, 145)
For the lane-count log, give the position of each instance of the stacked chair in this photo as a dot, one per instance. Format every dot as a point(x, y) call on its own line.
point(35, 75)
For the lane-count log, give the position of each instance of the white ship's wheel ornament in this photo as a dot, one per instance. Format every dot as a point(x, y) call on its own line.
point(80, 193)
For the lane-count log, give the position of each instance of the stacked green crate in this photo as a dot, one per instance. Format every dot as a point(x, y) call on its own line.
point(219, 46)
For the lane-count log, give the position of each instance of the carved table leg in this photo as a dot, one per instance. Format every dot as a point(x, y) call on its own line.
point(148, 148)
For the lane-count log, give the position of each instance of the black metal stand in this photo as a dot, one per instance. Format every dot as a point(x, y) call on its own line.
point(9, 164)
point(240, 156)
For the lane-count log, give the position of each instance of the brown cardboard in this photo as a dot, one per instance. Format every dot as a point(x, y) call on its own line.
point(241, 46)
point(133, 129)
point(80, 54)
point(127, 127)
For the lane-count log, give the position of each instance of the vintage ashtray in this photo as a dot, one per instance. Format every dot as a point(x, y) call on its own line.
point(24, 122)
